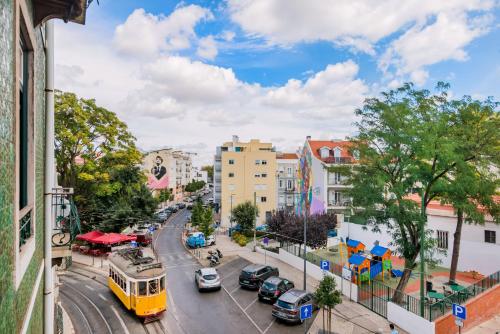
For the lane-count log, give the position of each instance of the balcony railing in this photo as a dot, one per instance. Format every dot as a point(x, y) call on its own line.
point(25, 229)
point(338, 160)
point(342, 202)
point(67, 220)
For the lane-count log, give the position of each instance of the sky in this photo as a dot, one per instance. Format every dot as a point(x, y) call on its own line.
point(191, 74)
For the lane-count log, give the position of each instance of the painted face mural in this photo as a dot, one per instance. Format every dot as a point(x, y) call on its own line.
point(158, 178)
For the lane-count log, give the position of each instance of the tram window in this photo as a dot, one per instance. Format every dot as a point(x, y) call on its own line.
point(110, 272)
point(132, 288)
point(143, 288)
point(162, 283)
point(153, 287)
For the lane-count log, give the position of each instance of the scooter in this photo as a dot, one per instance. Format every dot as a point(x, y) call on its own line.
point(219, 253)
point(214, 260)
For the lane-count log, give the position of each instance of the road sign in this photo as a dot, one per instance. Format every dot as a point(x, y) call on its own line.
point(306, 311)
point(459, 322)
point(151, 229)
point(133, 243)
point(325, 265)
point(459, 311)
point(266, 240)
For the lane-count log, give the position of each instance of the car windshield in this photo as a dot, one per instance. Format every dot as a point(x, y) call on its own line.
point(210, 277)
point(286, 305)
point(269, 286)
point(246, 273)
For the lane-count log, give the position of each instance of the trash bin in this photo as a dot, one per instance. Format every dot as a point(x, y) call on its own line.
point(428, 286)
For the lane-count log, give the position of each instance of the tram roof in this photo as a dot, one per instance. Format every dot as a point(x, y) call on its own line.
point(138, 263)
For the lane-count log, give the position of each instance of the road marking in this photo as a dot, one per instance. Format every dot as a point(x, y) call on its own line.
point(242, 310)
point(102, 297)
point(272, 322)
point(237, 288)
point(181, 265)
point(94, 305)
point(246, 308)
point(231, 273)
point(120, 320)
point(87, 324)
point(89, 287)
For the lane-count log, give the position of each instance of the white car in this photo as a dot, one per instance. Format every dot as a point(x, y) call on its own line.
point(207, 279)
point(210, 241)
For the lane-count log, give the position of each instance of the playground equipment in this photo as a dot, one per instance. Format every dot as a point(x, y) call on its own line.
point(381, 255)
point(360, 265)
point(354, 247)
point(367, 267)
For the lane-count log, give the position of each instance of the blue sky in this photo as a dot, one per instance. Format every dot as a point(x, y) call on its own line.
point(271, 69)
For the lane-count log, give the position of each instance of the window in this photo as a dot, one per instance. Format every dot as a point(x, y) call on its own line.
point(337, 152)
point(142, 288)
point(289, 171)
point(231, 174)
point(324, 152)
point(263, 199)
point(162, 283)
point(264, 162)
point(289, 184)
point(442, 239)
point(110, 272)
point(289, 200)
point(257, 175)
point(257, 162)
point(263, 175)
point(281, 183)
point(153, 286)
point(231, 162)
point(490, 236)
point(281, 199)
point(132, 288)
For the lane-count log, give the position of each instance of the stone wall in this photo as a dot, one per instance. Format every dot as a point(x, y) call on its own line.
point(14, 302)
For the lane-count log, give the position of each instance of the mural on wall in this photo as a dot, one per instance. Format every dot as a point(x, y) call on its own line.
point(310, 196)
point(158, 179)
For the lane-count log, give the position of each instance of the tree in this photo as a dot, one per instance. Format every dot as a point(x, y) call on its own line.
point(196, 214)
point(206, 223)
point(405, 146)
point(165, 195)
point(289, 226)
point(96, 155)
point(194, 186)
point(210, 171)
point(327, 297)
point(244, 214)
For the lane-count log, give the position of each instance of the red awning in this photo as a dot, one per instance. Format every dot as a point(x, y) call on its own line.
point(89, 236)
point(113, 238)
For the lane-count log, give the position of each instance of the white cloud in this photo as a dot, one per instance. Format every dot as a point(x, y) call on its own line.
point(228, 35)
point(207, 48)
point(144, 34)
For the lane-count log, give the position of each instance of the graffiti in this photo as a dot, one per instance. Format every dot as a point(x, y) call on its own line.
point(305, 175)
point(158, 178)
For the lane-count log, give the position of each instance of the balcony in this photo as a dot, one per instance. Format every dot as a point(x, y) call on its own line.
point(66, 224)
point(337, 160)
point(339, 203)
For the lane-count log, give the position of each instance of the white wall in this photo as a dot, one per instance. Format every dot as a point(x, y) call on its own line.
point(408, 321)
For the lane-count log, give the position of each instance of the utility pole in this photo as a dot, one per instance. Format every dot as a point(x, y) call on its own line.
point(231, 214)
point(422, 264)
point(255, 220)
point(305, 247)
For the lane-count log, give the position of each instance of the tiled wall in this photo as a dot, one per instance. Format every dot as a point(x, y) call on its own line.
point(14, 303)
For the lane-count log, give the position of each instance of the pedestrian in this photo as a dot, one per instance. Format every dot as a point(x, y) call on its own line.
point(393, 329)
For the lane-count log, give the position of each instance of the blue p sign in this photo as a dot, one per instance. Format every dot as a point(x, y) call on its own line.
point(325, 265)
point(459, 311)
point(306, 311)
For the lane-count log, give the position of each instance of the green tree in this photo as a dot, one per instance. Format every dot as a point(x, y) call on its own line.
point(206, 223)
point(196, 214)
point(210, 171)
point(405, 144)
point(327, 297)
point(194, 186)
point(165, 195)
point(96, 155)
point(244, 214)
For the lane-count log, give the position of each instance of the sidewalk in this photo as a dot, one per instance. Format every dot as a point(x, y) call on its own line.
point(347, 318)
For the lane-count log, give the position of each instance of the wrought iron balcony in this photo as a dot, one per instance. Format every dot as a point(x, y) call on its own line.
point(337, 160)
point(67, 221)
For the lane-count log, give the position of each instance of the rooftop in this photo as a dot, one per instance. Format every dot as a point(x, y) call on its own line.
point(138, 263)
point(343, 145)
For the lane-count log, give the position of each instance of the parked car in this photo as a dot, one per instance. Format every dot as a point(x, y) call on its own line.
point(181, 205)
point(254, 275)
point(207, 279)
point(273, 288)
point(287, 307)
point(236, 228)
point(261, 228)
point(195, 240)
point(173, 208)
point(189, 206)
point(210, 241)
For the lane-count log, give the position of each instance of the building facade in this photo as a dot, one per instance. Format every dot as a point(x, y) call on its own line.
point(25, 264)
point(247, 173)
point(286, 181)
point(322, 190)
point(168, 169)
point(199, 175)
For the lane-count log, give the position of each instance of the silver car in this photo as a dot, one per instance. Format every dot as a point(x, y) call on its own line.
point(207, 279)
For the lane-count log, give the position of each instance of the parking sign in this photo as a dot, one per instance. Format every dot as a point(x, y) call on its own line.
point(325, 265)
point(306, 311)
point(459, 311)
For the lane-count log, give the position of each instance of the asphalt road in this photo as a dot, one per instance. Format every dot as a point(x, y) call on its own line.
point(230, 310)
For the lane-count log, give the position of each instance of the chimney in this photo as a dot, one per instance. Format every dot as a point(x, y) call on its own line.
point(235, 139)
point(308, 138)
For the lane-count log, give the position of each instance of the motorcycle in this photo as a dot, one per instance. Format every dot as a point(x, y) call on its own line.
point(214, 260)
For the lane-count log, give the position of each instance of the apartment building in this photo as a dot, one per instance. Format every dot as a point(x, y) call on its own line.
point(168, 169)
point(27, 298)
point(199, 175)
point(320, 189)
point(286, 181)
point(245, 171)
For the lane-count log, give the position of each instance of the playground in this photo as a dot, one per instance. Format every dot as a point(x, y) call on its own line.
point(377, 263)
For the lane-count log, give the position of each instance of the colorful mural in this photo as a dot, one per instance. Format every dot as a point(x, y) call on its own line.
point(158, 179)
point(310, 200)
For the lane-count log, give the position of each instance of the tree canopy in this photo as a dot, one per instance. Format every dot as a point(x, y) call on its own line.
point(96, 155)
point(194, 186)
point(244, 215)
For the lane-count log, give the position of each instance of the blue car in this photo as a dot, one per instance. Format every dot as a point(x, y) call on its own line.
point(261, 228)
point(236, 228)
point(196, 240)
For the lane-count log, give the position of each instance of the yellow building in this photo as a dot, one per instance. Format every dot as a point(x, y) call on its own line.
point(246, 170)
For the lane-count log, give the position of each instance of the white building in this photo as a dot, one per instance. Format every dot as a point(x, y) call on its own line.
point(286, 180)
point(199, 175)
point(479, 245)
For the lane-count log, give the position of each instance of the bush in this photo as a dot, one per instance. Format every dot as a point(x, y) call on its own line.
point(242, 241)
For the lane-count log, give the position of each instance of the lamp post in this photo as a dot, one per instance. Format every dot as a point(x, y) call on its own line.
point(231, 213)
point(255, 221)
point(305, 249)
point(422, 242)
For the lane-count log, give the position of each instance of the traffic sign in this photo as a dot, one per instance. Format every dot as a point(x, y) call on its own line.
point(459, 322)
point(133, 243)
point(325, 265)
point(306, 311)
point(266, 240)
point(459, 311)
point(151, 229)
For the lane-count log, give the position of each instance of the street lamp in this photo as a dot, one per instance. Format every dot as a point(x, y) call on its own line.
point(422, 240)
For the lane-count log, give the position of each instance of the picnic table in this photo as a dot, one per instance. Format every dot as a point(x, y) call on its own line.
point(435, 295)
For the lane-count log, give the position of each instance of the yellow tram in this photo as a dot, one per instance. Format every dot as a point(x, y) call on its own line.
point(138, 280)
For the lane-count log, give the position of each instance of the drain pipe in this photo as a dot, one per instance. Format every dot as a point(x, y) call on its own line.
point(48, 292)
